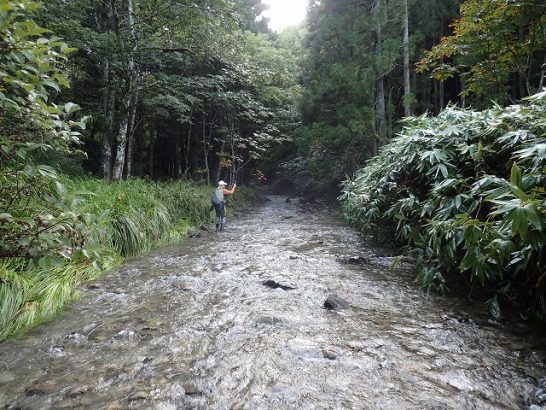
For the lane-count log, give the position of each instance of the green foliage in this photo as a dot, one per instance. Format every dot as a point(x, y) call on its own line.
point(35, 295)
point(36, 221)
point(135, 215)
point(492, 42)
point(466, 190)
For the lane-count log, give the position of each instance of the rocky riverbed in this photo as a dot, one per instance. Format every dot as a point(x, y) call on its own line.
point(285, 309)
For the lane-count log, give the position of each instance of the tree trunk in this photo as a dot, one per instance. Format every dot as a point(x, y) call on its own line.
point(177, 161)
point(442, 94)
point(117, 172)
point(108, 131)
point(131, 134)
point(380, 103)
point(109, 97)
point(436, 96)
point(188, 147)
point(407, 84)
point(153, 139)
point(205, 148)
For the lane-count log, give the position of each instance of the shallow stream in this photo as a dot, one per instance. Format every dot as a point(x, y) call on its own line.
point(192, 326)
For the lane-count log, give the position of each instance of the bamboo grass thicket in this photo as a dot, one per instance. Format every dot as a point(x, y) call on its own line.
point(466, 192)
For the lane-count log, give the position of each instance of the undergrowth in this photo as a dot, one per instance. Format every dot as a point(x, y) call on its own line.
point(466, 192)
point(119, 220)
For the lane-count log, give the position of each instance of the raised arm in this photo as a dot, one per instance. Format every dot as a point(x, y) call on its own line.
point(230, 191)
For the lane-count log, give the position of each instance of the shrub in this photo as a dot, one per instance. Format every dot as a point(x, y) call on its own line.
point(466, 191)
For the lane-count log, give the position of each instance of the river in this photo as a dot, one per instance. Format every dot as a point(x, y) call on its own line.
point(193, 326)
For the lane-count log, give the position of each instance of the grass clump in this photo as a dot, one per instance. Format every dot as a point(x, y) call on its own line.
point(136, 215)
point(34, 295)
point(466, 192)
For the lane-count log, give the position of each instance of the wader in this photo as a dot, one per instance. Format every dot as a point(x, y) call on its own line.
point(220, 209)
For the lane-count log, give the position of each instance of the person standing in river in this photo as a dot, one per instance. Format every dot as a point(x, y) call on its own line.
point(219, 203)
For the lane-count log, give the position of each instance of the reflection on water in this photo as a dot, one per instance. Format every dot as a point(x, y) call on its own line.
point(193, 326)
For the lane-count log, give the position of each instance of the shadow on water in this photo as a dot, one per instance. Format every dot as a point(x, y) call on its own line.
point(204, 325)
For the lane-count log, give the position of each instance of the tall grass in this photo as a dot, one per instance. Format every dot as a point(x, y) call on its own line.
point(136, 215)
point(124, 219)
point(33, 296)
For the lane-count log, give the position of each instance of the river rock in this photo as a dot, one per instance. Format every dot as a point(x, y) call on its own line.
point(334, 302)
point(78, 391)
point(268, 320)
point(353, 260)
point(330, 354)
point(204, 227)
point(185, 283)
point(191, 389)
point(139, 395)
point(276, 285)
point(195, 235)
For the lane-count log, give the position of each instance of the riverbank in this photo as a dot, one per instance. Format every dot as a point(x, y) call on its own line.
point(118, 221)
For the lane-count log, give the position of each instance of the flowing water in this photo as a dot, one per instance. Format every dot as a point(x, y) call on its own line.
point(193, 326)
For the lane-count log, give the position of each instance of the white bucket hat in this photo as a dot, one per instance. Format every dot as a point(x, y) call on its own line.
point(222, 183)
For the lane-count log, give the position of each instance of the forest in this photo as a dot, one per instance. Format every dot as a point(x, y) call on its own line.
point(117, 117)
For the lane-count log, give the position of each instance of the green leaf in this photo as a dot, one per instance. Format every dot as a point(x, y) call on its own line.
point(71, 107)
point(515, 175)
point(532, 216)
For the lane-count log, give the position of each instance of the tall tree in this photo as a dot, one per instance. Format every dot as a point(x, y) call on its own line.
point(405, 42)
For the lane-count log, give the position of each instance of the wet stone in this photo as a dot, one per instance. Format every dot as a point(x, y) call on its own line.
point(268, 320)
point(387, 364)
point(353, 260)
point(330, 354)
point(57, 351)
point(94, 286)
point(78, 391)
point(191, 389)
point(334, 302)
point(139, 395)
point(76, 338)
point(276, 285)
point(185, 284)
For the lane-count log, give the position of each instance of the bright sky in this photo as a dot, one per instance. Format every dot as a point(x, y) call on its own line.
point(285, 13)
